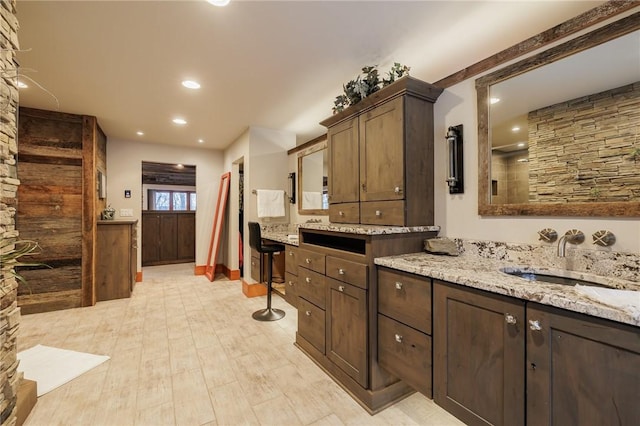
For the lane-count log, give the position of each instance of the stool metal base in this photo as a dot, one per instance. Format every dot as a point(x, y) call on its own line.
point(268, 314)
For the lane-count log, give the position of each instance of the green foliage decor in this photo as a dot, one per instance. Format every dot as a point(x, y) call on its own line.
point(11, 254)
point(366, 84)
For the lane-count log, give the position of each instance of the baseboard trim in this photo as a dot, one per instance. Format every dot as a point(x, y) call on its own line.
point(139, 276)
point(253, 290)
point(199, 270)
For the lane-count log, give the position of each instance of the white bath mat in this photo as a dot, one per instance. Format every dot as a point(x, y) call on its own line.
point(53, 367)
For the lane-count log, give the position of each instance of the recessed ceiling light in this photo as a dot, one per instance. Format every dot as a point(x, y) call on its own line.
point(190, 84)
point(200, 140)
point(515, 129)
point(494, 100)
point(180, 121)
point(139, 133)
point(521, 144)
point(180, 166)
point(22, 85)
point(219, 2)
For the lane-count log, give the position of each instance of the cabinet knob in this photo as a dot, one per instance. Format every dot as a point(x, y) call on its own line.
point(308, 279)
point(291, 283)
point(308, 313)
point(378, 213)
point(397, 190)
point(341, 271)
point(535, 325)
point(398, 338)
point(398, 285)
point(340, 213)
point(253, 263)
point(510, 319)
point(340, 288)
point(290, 253)
point(307, 260)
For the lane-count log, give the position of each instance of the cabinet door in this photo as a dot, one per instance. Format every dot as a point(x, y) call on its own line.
point(478, 355)
point(342, 144)
point(113, 267)
point(168, 237)
point(382, 152)
point(346, 328)
point(186, 236)
point(581, 370)
point(150, 238)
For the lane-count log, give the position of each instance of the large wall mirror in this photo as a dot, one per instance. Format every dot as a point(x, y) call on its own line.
point(559, 132)
point(312, 178)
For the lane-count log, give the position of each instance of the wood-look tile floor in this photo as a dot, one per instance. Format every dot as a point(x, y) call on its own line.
point(186, 351)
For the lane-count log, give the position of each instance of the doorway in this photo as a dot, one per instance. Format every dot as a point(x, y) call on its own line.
point(169, 205)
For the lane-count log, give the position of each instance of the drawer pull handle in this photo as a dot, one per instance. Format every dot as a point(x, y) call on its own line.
point(535, 325)
point(340, 288)
point(341, 271)
point(398, 338)
point(398, 285)
point(397, 190)
point(308, 279)
point(378, 213)
point(308, 313)
point(307, 260)
point(510, 319)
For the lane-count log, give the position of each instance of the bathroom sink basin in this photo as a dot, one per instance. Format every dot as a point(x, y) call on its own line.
point(555, 277)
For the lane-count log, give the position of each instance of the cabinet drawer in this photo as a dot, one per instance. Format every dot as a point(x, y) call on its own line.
point(311, 286)
point(291, 260)
point(406, 353)
point(291, 289)
point(311, 324)
point(405, 298)
point(347, 271)
point(311, 260)
point(255, 268)
point(344, 213)
point(382, 213)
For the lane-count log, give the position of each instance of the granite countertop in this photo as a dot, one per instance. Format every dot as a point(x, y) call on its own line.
point(484, 274)
point(368, 229)
point(280, 236)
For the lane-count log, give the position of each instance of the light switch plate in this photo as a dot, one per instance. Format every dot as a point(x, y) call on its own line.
point(126, 212)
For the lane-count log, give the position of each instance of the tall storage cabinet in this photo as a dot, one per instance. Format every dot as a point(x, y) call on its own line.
point(381, 157)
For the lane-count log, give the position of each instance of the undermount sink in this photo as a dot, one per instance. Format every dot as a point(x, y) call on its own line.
point(555, 276)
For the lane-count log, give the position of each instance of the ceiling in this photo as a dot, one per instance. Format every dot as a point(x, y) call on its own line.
point(260, 63)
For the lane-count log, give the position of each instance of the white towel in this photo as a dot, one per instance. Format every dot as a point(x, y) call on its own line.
point(311, 200)
point(270, 203)
point(627, 300)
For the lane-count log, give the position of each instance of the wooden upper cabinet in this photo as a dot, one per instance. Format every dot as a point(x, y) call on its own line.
point(343, 148)
point(382, 152)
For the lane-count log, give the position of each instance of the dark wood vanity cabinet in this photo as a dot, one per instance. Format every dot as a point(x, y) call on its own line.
point(336, 285)
point(478, 355)
point(404, 327)
point(503, 361)
point(381, 157)
point(291, 275)
point(581, 370)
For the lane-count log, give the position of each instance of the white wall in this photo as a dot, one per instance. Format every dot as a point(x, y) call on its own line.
point(458, 214)
point(124, 171)
point(263, 153)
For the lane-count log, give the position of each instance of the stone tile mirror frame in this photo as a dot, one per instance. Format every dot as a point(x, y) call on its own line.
point(620, 208)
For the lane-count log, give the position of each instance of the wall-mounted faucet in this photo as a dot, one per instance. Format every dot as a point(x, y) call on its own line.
point(572, 236)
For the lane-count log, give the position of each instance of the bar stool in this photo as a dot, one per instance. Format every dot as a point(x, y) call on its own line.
point(255, 241)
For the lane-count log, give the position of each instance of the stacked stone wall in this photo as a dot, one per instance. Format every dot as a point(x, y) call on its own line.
point(587, 149)
point(9, 312)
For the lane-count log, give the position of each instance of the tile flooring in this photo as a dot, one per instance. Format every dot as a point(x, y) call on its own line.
point(186, 351)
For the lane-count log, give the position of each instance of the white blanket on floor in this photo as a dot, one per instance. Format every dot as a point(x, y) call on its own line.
point(53, 367)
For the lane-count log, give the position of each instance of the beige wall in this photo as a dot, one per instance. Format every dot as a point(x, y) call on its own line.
point(124, 171)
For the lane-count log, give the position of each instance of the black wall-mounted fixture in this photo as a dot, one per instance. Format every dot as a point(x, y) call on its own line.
point(292, 187)
point(455, 166)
